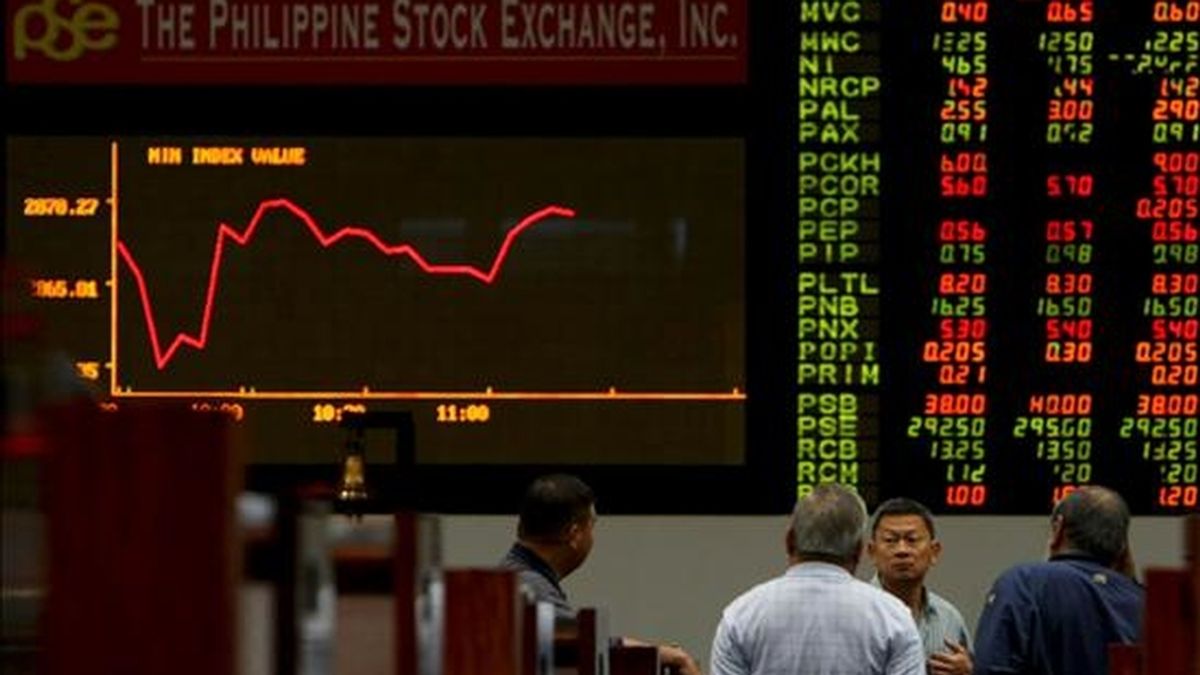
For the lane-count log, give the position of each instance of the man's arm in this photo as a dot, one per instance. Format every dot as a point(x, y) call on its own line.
point(1003, 638)
point(678, 660)
point(906, 655)
point(728, 657)
point(671, 656)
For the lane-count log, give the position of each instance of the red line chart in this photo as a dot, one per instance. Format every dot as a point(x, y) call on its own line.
point(225, 233)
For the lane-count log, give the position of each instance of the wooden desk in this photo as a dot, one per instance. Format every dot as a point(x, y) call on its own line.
point(142, 545)
point(483, 623)
point(582, 647)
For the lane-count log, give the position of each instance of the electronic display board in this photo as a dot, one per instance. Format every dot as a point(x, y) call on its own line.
point(945, 249)
point(531, 301)
point(997, 293)
point(588, 290)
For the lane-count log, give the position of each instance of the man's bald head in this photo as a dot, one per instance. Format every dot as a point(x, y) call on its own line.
point(1095, 522)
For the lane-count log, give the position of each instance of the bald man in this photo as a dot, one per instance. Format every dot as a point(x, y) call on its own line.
point(1058, 617)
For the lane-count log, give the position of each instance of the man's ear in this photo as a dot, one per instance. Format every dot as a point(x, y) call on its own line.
point(1124, 562)
point(571, 535)
point(1058, 535)
point(936, 548)
point(858, 554)
point(789, 542)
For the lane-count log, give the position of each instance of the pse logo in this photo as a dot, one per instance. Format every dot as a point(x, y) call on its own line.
point(83, 26)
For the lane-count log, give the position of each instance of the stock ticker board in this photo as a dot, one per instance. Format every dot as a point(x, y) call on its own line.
point(997, 296)
point(940, 249)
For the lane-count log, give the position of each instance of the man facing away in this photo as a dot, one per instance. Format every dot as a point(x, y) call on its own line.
point(818, 619)
point(1058, 617)
point(554, 537)
point(904, 547)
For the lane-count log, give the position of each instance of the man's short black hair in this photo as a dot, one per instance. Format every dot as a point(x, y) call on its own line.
point(1095, 521)
point(903, 506)
point(551, 504)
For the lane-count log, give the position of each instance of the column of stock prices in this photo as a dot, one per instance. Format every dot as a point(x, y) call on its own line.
point(532, 301)
point(998, 250)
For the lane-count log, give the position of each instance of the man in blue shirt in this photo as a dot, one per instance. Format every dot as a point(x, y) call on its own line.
point(1058, 617)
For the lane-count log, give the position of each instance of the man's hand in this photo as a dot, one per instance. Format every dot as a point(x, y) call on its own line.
point(678, 660)
point(956, 660)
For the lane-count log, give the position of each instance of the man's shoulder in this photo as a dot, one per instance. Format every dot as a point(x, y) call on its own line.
point(1031, 572)
point(1063, 571)
point(1023, 583)
point(535, 579)
point(517, 556)
point(950, 619)
point(850, 590)
point(513, 561)
point(538, 582)
point(887, 603)
point(757, 593)
point(1055, 581)
point(945, 608)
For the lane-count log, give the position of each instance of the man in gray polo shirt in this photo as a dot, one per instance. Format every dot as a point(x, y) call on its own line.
point(818, 619)
point(904, 547)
